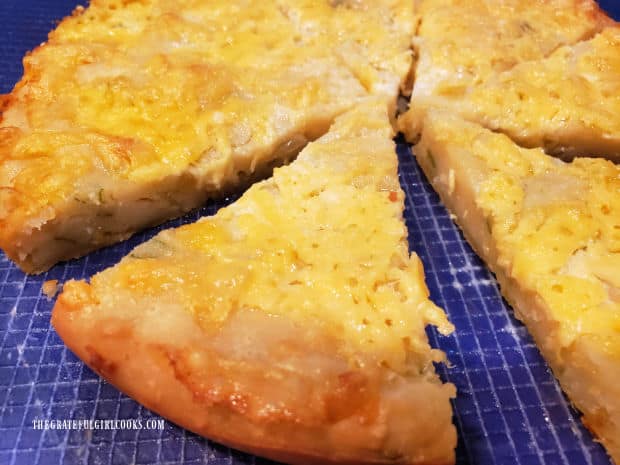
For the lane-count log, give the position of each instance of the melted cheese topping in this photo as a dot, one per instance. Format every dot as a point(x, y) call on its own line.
point(568, 102)
point(322, 241)
point(137, 91)
point(463, 42)
point(555, 226)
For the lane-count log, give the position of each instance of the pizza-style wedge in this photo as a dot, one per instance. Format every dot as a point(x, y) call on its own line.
point(134, 112)
point(460, 44)
point(291, 324)
point(568, 103)
point(550, 231)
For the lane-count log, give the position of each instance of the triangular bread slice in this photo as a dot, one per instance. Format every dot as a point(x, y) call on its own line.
point(135, 112)
point(568, 103)
point(550, 231)
point(291, 324)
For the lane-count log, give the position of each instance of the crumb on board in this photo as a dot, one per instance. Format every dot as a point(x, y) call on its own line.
point(50, 288)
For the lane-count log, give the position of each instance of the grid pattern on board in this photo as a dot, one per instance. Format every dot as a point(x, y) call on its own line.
point(509, 409)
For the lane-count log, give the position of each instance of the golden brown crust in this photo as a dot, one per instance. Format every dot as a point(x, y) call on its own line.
point(291, 323)
point(596, 13)
point(353, 416)
point(126, 96)
point(5, 101)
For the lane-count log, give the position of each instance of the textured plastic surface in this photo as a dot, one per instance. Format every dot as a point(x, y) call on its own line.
point(509, 408)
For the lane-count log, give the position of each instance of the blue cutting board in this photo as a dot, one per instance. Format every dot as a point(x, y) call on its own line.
point(509, 408)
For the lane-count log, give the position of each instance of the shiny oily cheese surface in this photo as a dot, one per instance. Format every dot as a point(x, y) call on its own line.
point(505, 367)
point(133, 113)
point(290, 324)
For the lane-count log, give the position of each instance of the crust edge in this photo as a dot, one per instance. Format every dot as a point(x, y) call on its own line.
point(598, 418)
point(175, 401)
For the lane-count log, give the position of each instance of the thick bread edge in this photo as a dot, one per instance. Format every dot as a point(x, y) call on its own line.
point(527, 306)
point(131, 366)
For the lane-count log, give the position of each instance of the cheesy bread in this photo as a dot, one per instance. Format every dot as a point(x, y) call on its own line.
point(568, 103)
point(550, 231)
point(460, 44)
point(135, 112)
point(291, 324)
